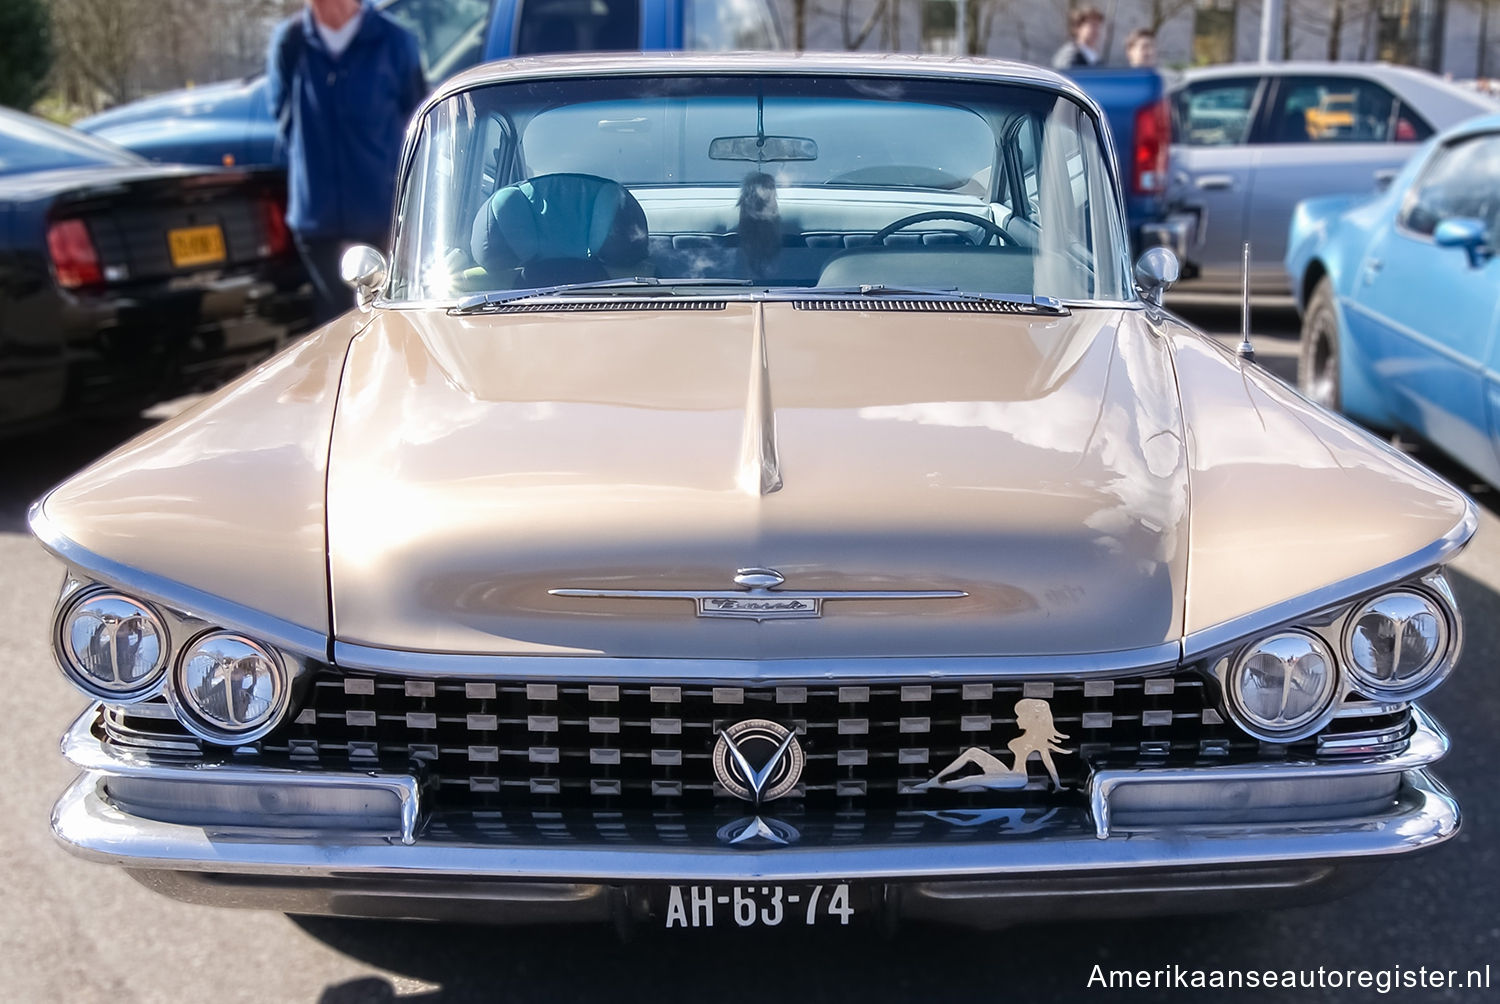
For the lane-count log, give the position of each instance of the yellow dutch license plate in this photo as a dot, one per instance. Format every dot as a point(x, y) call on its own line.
point(196, 245)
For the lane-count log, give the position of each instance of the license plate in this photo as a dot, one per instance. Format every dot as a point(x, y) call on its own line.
point(829, 905)
point(196, 245)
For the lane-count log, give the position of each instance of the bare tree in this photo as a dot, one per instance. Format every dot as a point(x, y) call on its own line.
point(98, 44)
point(854, 39)
point(1482, 43)
point(109, 51)
point(1162, 11)
point(799, 24)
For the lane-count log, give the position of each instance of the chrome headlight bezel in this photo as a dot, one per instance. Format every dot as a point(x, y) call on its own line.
point(1329, 696)
point(1440, 599)
point(152, 683)
point(200, 723)
point(1332, 624)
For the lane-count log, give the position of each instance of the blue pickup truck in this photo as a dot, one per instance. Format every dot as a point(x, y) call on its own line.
point(231, 123)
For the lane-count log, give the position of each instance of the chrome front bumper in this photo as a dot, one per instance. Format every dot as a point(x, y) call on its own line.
point(1071, 866)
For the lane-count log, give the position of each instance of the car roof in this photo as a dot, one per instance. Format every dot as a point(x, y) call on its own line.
point(740, 63)
point(1442, 102)
point(1484, 123)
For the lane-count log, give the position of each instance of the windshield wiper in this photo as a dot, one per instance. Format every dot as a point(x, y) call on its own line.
point(480, 302)
point(1029, 304)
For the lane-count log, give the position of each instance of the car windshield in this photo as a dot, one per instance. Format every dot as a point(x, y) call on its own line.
point(31, 144)
point(778, 181)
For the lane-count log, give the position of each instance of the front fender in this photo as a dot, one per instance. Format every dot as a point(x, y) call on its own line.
point(1312, 238)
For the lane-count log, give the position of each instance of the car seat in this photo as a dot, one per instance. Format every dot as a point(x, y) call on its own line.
point(559, 228)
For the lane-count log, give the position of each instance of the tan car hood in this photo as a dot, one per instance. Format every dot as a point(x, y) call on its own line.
point(1034, 464)
point(1037, 465)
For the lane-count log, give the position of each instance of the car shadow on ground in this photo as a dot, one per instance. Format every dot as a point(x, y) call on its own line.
point(1029, 962)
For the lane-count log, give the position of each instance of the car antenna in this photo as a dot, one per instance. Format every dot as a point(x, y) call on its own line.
point(1246, 350)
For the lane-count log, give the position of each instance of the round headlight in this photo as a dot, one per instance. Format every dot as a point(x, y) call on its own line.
point(112, 647)
point(1281, 686)
point(229, 689)
point(1397, 645)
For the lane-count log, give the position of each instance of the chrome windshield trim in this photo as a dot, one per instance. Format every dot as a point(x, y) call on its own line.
point(767, 294)
point(1428, 744)
point(82, 749)
point(720, 64)
point(189, 602)
point(1161, 658)
point(739, 64)
point(1220, 636)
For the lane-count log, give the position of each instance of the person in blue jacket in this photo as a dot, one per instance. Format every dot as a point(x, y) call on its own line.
point(343, 80)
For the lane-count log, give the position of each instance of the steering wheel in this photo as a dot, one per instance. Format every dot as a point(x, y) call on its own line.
point(990, 227)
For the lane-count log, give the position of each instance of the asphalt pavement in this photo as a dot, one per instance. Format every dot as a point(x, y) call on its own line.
point(81, 932)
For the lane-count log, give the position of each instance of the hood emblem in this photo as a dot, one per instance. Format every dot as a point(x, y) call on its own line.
point(977, 769)
point(758, 760)
point(761, 598)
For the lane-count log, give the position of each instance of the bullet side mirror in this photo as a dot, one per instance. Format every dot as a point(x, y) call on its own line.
point(364, 268)
point(1155, 272)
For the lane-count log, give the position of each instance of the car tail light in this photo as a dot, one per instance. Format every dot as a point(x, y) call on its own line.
point(1153, 128)
point(277, 240)
point(73, 256)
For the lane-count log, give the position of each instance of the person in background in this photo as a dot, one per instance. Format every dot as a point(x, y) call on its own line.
point(1140, 48)
point(1086, 26)
point(343, 81)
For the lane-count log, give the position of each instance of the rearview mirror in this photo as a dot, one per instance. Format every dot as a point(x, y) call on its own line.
point(363, 268)
point(762, 148)
point(1467, 233)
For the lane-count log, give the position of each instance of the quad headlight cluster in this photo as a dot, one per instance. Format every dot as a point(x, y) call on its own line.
point(1397, 646)
point(223, 686)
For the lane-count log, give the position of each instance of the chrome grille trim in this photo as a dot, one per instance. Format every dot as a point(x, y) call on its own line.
point(1150, 661)
point(519, 744)
point(571, 744)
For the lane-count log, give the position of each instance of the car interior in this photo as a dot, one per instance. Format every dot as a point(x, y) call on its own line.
point(776, 209)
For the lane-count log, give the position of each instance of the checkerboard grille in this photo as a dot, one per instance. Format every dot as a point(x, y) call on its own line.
point(648, 745)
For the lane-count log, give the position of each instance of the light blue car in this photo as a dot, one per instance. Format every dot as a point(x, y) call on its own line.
point(1400, 298)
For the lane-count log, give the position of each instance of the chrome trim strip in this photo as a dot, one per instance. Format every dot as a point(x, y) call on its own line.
point(1208, 640)
point(1161, 658)
point(1428, 744)
point(732, 64)
point(192, 602)
point(82, 749)
point(760, 464)
point(1423, 815)
point(1359, 707)
point(1372, 743)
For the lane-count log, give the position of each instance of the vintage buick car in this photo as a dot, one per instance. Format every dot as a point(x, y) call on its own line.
point(756, 492)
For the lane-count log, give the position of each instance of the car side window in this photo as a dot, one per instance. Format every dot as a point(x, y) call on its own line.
point(450, 32)
point(1214, 112)
point(1333, 110)
point(569, 26)
point(1461, 180)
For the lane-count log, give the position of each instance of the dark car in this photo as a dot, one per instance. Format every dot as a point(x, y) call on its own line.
point(123, 282)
